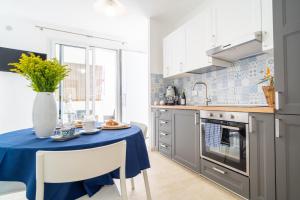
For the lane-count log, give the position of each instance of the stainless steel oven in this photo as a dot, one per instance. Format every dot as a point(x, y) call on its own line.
point(224, 139)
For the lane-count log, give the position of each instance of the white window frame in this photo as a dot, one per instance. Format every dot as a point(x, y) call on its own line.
point(87, 48)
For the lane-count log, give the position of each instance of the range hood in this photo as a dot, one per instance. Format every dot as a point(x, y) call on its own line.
point(241, 48)
point(214, 65)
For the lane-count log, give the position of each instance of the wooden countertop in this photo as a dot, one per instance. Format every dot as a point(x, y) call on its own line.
point(248, 109)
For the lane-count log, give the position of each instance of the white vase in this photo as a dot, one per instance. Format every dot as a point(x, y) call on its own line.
point(44, 115)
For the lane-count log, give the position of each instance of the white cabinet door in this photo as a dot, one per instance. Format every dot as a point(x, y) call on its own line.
point(167, 57)
point(267, 25)
point(236, 18)
point(179, 50)
point(174, 52)
point(199, 39)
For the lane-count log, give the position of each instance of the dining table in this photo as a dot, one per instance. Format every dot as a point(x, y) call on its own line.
point(18, 160)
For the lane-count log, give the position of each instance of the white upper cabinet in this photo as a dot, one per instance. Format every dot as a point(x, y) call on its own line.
point(218, 23)
point(174, 52)
point(199, 39)
point(267, 25)
point(235, 19)
point(179, 50)
point(167, 57)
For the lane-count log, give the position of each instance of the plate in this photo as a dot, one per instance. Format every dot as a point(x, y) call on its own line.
point(83, 132)
point(118, 127)
point(60, 138)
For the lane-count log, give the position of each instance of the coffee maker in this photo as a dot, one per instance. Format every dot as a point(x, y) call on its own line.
point(171, 98)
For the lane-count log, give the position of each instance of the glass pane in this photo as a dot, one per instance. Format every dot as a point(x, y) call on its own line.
point(74, 86)
point(105, 83)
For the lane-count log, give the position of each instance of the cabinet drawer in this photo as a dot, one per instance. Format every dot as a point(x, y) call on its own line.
point(164, 114)
point(165, 137)
point(229, 179)
point(164, 125)
point(165, 149)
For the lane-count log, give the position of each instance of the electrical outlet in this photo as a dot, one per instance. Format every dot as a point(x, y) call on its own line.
point(195, 93)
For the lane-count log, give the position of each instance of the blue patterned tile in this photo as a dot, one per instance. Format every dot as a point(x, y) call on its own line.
point(234, 85)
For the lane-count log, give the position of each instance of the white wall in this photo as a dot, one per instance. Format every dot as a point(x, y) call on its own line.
point(16, 98)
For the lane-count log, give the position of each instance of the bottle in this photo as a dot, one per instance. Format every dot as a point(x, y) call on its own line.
point(182, 99)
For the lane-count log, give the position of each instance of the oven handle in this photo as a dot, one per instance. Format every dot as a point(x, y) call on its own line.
point(230, 127)
point(218, 170)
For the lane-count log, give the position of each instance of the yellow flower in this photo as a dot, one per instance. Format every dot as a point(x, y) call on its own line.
point(268, 72)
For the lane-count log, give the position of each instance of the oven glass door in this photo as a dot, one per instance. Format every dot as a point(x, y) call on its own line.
point(225, 143)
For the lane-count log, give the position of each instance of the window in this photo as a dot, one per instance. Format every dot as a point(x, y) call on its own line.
point(91, 86)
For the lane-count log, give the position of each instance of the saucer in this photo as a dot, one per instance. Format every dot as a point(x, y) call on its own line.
point(89, 132)
point(61, 138)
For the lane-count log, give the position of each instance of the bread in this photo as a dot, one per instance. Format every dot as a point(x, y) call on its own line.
point(78, 123)
point(111, 122)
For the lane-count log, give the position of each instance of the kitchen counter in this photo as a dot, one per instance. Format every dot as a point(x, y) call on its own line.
point(248, 109)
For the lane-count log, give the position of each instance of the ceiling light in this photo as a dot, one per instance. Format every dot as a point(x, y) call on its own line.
point(109, 7)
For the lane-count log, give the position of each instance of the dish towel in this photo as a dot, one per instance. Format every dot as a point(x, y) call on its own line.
point(213, 134)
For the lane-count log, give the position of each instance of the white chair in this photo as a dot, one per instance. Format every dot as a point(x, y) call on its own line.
point(144, 129)
point(77, 165)
point(10, 188)
point(142, 126)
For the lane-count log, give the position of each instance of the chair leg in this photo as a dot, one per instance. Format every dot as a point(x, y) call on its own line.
point(132, 184)
point(147, 185)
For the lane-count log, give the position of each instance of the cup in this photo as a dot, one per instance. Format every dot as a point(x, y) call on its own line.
point(67, 132)
point(89, 125)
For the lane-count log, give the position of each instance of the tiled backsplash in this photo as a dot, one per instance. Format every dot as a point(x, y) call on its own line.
point(232, 86)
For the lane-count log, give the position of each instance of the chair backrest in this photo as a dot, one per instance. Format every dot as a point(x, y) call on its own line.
point(71, 166)
point(142, 126)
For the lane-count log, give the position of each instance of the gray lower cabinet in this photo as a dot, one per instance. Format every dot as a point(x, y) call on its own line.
point(225, 177)
point(287, 157)
point(262, 156)
point(286, 55)
point(163, 128)
point(186, 138)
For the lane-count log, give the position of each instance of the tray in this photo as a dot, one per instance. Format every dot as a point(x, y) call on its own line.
point(121, 126)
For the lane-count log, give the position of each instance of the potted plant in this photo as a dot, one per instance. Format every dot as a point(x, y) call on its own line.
point(44, 77)
point(269, 90)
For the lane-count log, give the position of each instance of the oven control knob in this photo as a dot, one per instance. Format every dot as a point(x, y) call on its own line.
point(211, 115)
point(221, 115)
point(232, 117)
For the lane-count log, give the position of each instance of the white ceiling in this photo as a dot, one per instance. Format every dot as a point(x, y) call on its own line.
point(81, 15)
point(164, 9)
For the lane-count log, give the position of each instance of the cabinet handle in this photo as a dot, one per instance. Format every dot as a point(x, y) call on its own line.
point(227, 45)
point(163, 134)
point(163, 122)
point(251, 124)
point(277, 100)
point(196, 118)
point(277, 128)
point(218, 170)
point(164, 146)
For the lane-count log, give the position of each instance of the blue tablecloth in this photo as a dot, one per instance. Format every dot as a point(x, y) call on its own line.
point(17, 160)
